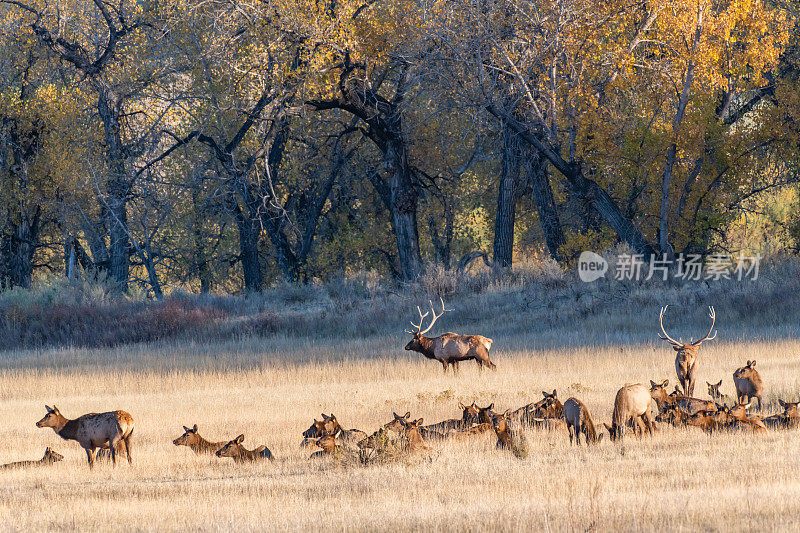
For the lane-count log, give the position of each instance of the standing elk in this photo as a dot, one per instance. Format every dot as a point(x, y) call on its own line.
point(748, 383)
point(112, 430)
point(580, 421)
point(49, 458)
point(686, 358)
point(631, 402)
point(449, 348)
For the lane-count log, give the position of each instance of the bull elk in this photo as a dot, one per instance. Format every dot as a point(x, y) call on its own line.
point(112, 430)
point(449, 348)
point(49, 458)
point(686, 358)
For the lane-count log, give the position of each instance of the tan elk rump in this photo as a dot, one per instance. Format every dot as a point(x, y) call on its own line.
point(112, 430)
point(631, 402)
point(449, 348)
point(579, 420)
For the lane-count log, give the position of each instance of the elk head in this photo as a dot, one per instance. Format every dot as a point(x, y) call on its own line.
point(713, 390)
point(51, 457)
point(469, 413)
point(418, 333)
point(485, 414)
point(327, 443)
point(746, 371)
point(789, 408)
point(232, 449)
point(53, 419)
point(188, 438)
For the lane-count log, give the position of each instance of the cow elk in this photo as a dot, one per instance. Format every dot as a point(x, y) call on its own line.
point(580, 421)
point(748, 383)
point(449, 348)
point(508, 437)
point(49, 458)
point(789, 419)
point(664, 401)
point(330, 426)
point(632, 401)
point(240, 454)
point(686, 358)
point(111, 430)
point(192, 439)
point(716, 395)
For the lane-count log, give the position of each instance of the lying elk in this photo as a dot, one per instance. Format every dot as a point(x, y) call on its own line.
point(192, 439)
point(658, 391)
point(789, 419)
point(240, 454)
point(450, 348)
point(49, 458)
point(748, 383)
point(508, 436)
point(109, 430)
point(686, 359)
point(330, 426)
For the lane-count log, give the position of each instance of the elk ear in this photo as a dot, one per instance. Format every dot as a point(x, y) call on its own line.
point(407, 415)
point(48, 450)
point(783, 404)
point(665, 384)
point(507, 412)
point(753, 363)
point(49, 409)
point(55, 409)
point(418, 422)
point(185, 429)
point(554, 393)
point(324, 417)
point(719, 384)
point(545, 394)
point(239, 439)
point(491, 406)
point(461, 406)
point(652, 384)
point(194, 428)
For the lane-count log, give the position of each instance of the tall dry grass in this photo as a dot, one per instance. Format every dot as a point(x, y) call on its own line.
point(679, 479)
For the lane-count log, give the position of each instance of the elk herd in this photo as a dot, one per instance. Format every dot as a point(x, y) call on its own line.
point(111, 432)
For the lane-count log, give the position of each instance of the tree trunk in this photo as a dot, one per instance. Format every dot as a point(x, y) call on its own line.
point(403, 208)
point(506, 201)
point(545, 203)
point(115, 203)
point(248, 250)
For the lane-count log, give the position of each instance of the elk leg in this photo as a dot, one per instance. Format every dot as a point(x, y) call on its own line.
point(444, 366)
point(455, 367)
point(571, 431)
point(90, 457)
point(647, 423)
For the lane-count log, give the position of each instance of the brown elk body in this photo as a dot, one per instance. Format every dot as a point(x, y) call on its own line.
point(686, 358)
point(413, 441)
point(112, 430)
point(49, 458)
point(192, 439)
point(469, 416)
point(462, 434)
point(632, 401)
point(240, 454)
point(579, 420)
point(330, 426)
point(748, 383)
point(690, 406)
point(449, 348)
point(739, 419)
point(789, 419)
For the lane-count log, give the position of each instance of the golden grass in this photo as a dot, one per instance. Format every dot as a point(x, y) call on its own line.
point(679, 479)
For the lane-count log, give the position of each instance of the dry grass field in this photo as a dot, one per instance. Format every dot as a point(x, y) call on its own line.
point(680, 479)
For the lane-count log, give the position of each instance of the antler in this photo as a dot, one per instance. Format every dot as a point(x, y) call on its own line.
point(666, 336)
point(422, 317)
point(713, 318)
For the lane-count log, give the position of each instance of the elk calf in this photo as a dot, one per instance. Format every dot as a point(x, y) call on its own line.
point(580, 421)
point(104, 430)
point(450, 348)
point(192, 439)
point(240, 454)
point(748, 383)
point(49, 458)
